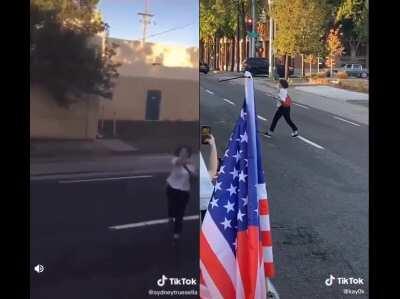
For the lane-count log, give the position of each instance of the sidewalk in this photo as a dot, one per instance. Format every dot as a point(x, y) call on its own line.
point(100, 166)
point(69, 149)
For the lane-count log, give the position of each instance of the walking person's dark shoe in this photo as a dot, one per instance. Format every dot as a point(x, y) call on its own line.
point(295, 133)
point(268, 134)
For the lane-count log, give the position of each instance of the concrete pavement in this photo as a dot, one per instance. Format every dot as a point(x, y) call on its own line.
point(84, 258)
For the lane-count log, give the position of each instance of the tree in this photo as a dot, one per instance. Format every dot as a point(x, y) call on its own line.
point(300, 27)
point(63, 57)
point(352, 15)
point(334, 47)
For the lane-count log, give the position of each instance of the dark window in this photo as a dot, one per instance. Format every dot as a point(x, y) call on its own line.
point(153, 104)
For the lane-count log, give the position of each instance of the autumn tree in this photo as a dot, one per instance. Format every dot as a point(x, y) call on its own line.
point(334, 47)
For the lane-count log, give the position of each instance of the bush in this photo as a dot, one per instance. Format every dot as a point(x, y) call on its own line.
point(342, 75)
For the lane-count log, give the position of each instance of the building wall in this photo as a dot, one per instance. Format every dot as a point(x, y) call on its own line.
point(171, 69)
point(179, 99)
point(48, 120)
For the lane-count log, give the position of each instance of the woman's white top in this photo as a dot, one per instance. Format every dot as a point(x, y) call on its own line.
point(179, 177)
point(281, 96)
point(206, 186)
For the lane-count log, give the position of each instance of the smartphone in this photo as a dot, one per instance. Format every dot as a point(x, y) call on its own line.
point(205, 134)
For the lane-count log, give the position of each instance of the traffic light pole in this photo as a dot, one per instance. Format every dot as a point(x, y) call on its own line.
point(253, 39)
point(271, 34)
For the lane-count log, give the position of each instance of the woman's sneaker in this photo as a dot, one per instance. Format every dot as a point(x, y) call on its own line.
point(295, 134)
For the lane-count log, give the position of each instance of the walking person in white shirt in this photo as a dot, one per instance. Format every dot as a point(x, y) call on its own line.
point(178, 187)
point(207, 176)
point(283, 104)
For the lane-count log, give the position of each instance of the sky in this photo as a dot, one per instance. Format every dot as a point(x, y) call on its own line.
point(122, 17)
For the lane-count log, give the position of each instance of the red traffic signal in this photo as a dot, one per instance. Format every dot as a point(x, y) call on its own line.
point(249, 25)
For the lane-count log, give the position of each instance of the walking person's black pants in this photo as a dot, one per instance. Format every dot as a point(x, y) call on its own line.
point(285, 111)
point(177, 201)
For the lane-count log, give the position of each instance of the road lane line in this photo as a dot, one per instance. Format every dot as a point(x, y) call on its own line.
point(310, 142)
point(272, 289)
point(106, 179)
point(209, 91)
point(302, 106)
point(262, 118)
point(346, 121)
point(230, 102)
point(150, 222)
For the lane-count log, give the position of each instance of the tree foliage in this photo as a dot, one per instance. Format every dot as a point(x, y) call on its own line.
point(64, 57)
point(300, 26)
point(334, 47)
point(352, 15)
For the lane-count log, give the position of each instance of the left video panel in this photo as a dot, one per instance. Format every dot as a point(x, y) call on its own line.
point(114, 131)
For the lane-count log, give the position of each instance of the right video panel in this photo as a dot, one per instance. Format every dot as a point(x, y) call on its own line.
point(284, 149)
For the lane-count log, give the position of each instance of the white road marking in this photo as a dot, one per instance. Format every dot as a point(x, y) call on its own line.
point(150, 222)
point(271, 288)
point(262, 118)
point(229, 102)
point(302, 106)
point(209, 91)
point(106, 179)
point(310, 142)
point(347, 121)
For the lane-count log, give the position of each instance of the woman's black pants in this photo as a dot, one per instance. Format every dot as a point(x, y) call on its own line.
point(285, 111)
point(177, 201)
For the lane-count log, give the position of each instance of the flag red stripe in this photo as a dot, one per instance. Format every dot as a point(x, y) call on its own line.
point(215, 269)
point(266, 238)
point(264, 207)
point(269, 269)
point(248, 259)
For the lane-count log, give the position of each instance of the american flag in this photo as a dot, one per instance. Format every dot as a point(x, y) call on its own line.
point(235, 239)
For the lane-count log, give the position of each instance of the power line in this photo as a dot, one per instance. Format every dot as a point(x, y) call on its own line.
point(172, 29)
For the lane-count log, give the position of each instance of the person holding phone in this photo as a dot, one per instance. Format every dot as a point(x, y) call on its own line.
point(178, 187)
point(207, 176)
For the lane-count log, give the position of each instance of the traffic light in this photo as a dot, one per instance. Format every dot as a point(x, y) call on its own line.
point(249, 25)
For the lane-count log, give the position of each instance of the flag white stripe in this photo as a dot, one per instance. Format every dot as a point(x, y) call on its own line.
point(264, 223)
point(262, 191)
point(261, 291)
point(219, 246)
point(205, 294)
point(211, 287)
point(267, 251)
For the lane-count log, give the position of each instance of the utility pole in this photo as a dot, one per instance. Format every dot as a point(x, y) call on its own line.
point(253, 38)
point(271, 36)
point(146, 19)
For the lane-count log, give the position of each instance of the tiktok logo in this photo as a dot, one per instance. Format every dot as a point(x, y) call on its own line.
point(330, 280)
point(161, 281)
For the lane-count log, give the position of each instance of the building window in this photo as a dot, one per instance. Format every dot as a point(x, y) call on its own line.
point(153, 104)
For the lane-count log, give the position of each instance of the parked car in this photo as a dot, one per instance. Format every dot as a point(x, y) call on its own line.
point(257, 65)
point(356, 70)
point(204, 68)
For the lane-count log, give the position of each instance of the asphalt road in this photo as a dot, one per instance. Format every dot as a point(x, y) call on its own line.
point(317, 186)
point(84, 258)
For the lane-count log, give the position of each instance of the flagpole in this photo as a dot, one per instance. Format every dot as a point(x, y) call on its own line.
point(252, 153)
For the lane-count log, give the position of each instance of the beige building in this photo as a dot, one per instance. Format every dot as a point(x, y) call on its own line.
point(156, 83)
